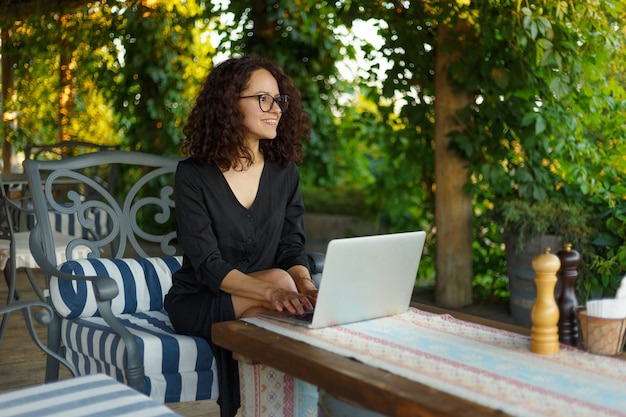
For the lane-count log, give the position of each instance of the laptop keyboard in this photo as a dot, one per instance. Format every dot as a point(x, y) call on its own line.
point(306, 317)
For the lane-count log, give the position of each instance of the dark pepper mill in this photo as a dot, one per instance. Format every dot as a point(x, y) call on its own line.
point(567, 301)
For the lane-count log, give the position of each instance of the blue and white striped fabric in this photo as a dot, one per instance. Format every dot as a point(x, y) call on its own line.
point(143, 283)
point(94, 395)
point(68, 224)
point(177, 367)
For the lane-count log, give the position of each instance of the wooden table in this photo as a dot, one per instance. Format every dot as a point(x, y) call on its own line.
point(347, 379)
point(424, 364)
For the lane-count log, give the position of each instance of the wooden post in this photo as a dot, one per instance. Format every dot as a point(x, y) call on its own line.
point(453, 206)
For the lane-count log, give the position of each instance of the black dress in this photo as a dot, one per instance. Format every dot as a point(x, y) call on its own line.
point(218, 234)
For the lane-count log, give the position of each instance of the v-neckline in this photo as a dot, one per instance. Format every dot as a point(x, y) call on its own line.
point(256, 196)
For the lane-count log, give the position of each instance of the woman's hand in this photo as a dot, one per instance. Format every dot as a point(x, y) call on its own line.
point(312, 296)
point(294, 302)
point(307, 287)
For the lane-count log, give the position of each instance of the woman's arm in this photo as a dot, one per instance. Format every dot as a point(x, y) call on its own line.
point(194, 224)
point(246, 288)
point(302, 278)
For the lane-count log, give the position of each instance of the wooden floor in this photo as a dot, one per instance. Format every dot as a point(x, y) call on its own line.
point(22, 363)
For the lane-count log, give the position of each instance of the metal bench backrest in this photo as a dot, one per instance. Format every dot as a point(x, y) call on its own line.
point(138, 208)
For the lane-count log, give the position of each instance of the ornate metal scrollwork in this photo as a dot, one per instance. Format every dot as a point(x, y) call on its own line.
point(109, 223)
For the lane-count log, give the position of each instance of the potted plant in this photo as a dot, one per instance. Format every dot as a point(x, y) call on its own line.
point(528, 228)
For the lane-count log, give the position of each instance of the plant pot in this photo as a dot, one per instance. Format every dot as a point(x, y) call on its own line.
point(519, 257)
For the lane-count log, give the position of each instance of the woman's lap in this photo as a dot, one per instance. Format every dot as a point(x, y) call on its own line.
point(194, 314)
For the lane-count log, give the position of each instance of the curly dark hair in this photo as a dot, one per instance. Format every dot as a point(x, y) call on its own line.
point(215, 132)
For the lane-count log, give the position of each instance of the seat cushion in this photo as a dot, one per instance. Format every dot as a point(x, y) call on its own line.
point(177, 367)
point(142, 283)
point(24, 258)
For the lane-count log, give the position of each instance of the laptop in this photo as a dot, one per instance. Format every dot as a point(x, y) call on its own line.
point(363, 278)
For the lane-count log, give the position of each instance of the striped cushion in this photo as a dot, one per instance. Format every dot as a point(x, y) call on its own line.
point(95, 395)
point(142, 282)
point(177, 368)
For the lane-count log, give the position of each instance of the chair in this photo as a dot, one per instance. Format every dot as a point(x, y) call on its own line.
point(109, 315)
point(14, 235)
point(15, 251)
point(69, 149)
point(43, 315)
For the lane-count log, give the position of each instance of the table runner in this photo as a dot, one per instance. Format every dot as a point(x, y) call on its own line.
point(488, 366)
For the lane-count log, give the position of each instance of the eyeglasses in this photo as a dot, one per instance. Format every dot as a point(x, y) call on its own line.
point(266, 102)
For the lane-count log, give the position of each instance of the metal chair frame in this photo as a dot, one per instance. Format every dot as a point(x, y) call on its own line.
point(125, 233)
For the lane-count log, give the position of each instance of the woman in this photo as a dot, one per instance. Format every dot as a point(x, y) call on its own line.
point(239, 210)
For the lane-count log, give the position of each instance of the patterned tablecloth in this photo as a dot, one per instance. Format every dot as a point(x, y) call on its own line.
point(491, 367)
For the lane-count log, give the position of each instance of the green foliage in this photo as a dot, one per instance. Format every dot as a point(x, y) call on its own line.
point(163, 64)
point(528, 133)
point(34, 48)
point(490, 281)
point(607, 261)
point(134, 72)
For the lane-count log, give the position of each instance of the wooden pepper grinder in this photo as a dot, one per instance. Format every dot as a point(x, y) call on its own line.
point(544, 338)
point(567, 301)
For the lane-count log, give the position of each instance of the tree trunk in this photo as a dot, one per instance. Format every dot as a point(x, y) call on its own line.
point(453, 206)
